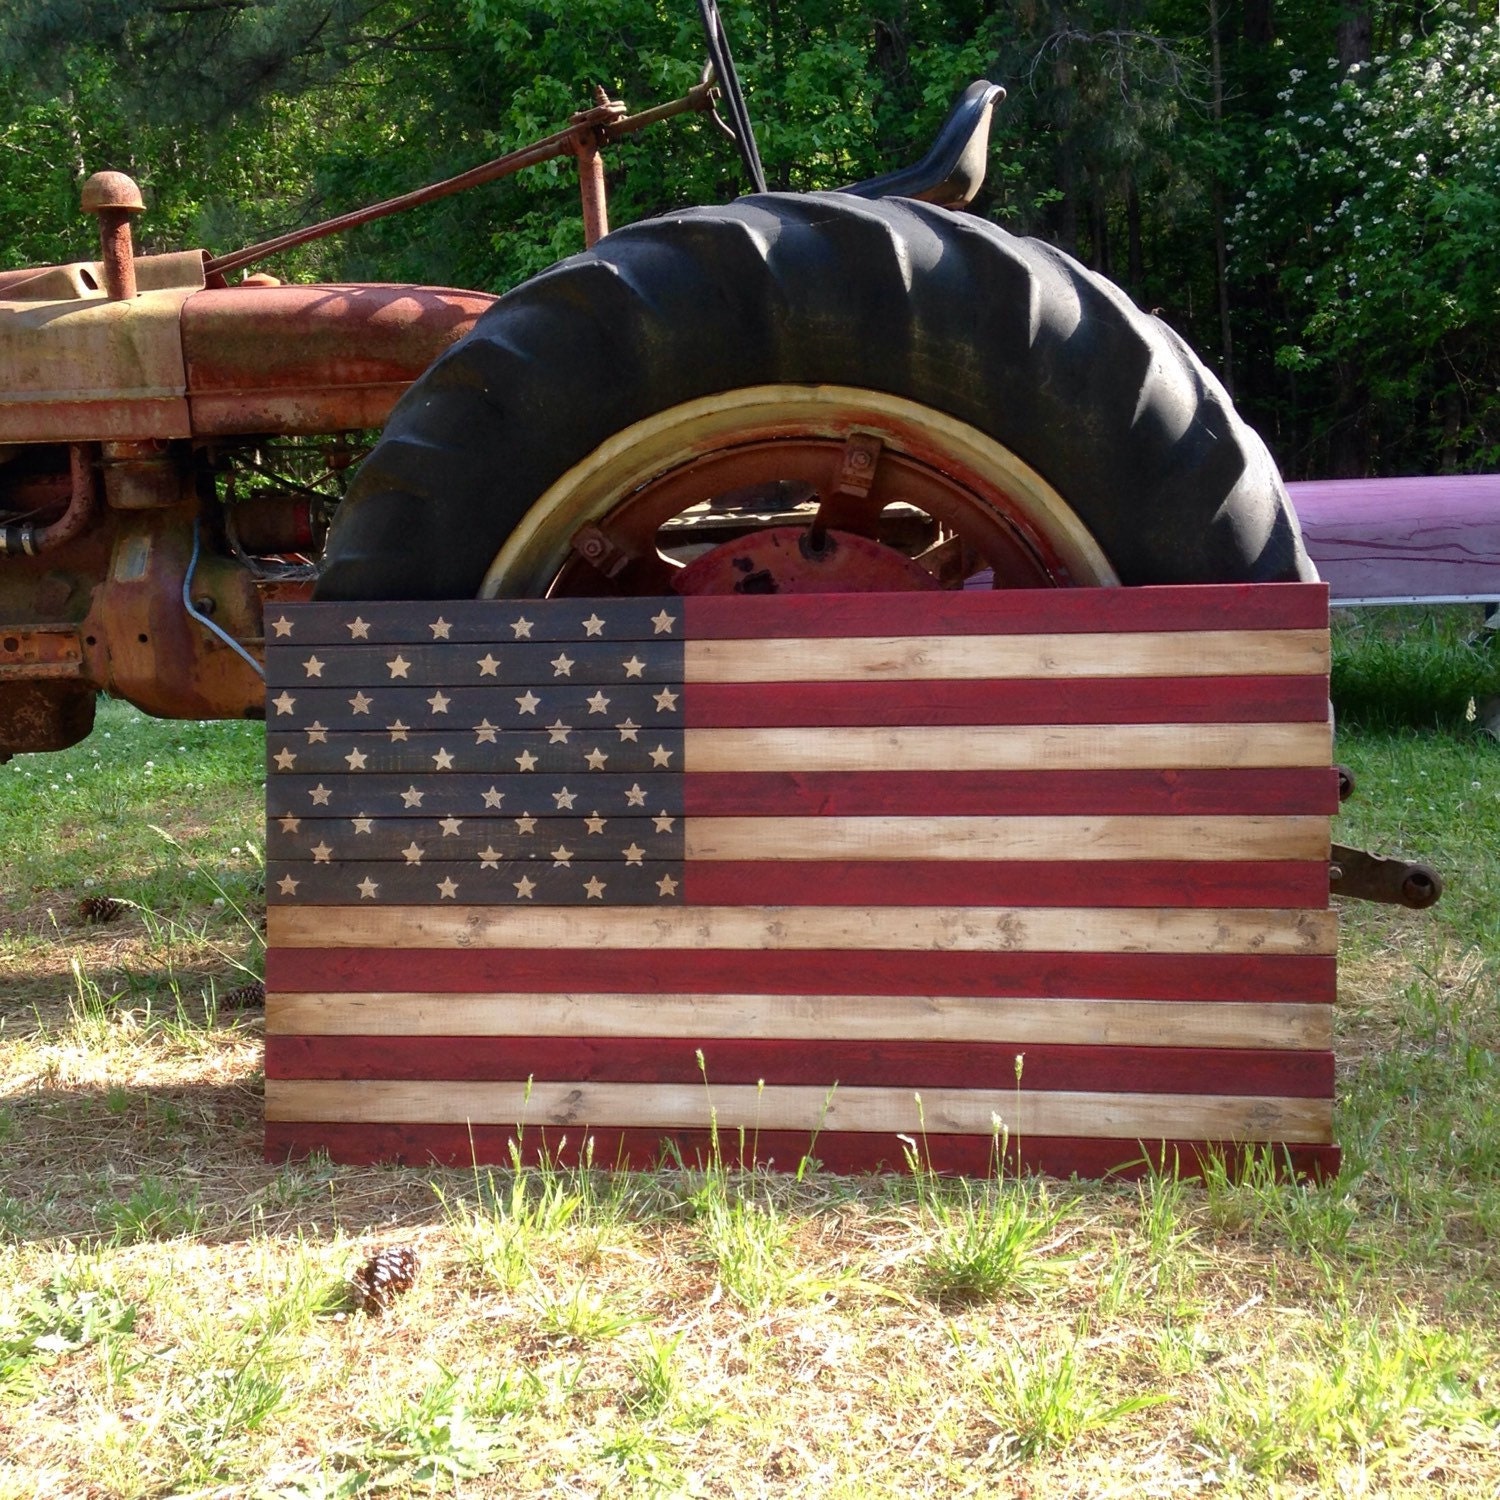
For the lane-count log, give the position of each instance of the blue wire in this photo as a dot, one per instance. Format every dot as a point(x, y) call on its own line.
point(202, 619)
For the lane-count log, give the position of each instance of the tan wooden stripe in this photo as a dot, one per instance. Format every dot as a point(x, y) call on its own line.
point(1009, 747)
point(1145, 653)
point(577, 1106)
point(924, 928)
point(1036, 838)
point(1285, 1026)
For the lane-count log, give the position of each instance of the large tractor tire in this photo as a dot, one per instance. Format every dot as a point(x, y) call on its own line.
point(934, 399)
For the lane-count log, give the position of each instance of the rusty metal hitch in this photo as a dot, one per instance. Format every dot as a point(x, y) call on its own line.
point(1373, 877)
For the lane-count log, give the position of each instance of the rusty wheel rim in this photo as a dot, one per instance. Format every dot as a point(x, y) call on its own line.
point(886, 479)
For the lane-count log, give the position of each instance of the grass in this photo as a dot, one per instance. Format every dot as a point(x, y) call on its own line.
point(174, 1312)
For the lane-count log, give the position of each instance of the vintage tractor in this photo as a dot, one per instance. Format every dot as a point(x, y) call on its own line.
point(860, 390)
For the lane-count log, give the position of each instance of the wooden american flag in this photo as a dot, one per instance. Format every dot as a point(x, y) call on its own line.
point(573, 875)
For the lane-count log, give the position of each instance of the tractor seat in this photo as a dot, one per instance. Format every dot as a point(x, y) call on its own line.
point(952, 173)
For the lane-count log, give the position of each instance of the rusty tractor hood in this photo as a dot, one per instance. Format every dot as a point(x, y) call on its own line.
point(182, 360)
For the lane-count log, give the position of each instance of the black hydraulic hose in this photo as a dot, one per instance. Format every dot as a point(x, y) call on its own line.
point(734, 98)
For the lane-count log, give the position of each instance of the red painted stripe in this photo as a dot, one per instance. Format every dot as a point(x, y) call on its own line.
point(1063, 700)
point(1309, 978)
point(1233, 606)
point(1304, 791)
point(913, 1065)
point(939, 882)
point(835, 1151)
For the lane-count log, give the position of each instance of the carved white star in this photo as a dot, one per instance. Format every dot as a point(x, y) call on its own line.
point(287, 885)
point(439, 702)
point(629, 730)
point(316, 734)
point(321, 853)
point(285, 760)
point(487, 664)
point(596, 758)
point(320, 795)
point(484, 732)
point(440, 629)
point(636, 796)
point(367, 889)
point(360, 704)
point(664, 822)
point(313, 667)
point(283, 626)
point(593, 625)
point(562, 665)
point(494, 797)
point(595, 824)
point(562, 855)
point(526, 760)
point(290, 824)
point(527, 702)
point(412, 797)
point(565, 799)
point(355, 760)
point(442, 759)
point(634, 667)
point(522, 628)
point(598, 704)
point(663, 623)
point(413, 853)
point(634, 854)
point(359, 629)
point(362, 824)
point(666, 886)
point(666, 701)
point(525, 823)
point(447, 889)
point(285, 703)
point(660, 756)
point(489, 858)
point(557, 734)
point(524, 888)
point(397, 729)
point(450, 826)
point(595, 888)
point(398, 666)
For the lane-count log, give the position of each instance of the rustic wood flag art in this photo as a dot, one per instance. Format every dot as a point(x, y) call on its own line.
point(849, 877)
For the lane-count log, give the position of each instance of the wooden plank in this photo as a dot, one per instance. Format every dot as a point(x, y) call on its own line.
point(941, 1111)
point(458, 751)
point(1218, 653)
point(1008, 882)
point(397, 709)
point(552, 879)
point(1020, 700)
point(1190, 607)
point(422, 622)
point(1019, 1022)
point(1380, 541)
point(922, 929)
point(989, 747)
point(887, 838)
point(1246, 790)
point(289, 795)
point(895, 1064)
point(645, 1149)
point(1263, 978)
point(593, 837)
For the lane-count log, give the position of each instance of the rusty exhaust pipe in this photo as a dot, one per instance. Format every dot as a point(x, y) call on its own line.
point(114, 197)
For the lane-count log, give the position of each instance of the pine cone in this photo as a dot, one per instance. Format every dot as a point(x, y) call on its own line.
point(250, 996)
point(384, 1276)
point(99, 909)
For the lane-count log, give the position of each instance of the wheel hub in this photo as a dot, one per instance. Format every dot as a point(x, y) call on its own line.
point(796, 560)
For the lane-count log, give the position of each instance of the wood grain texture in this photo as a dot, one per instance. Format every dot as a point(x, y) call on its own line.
point(1014, 1022)
point(893, 1064)
point(1190, 607)
point(1035, 838)
point(1258, 978)
point(924, 929)
point(645, 1149)
point(943, 1111)
point(990, 747)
